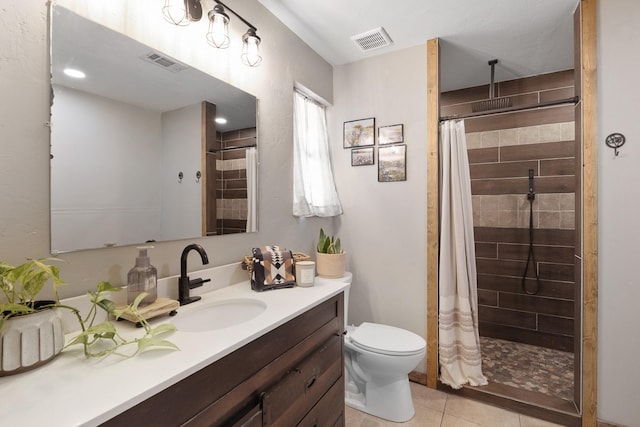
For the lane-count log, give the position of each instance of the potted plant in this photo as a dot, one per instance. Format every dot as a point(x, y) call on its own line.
point(330, 258)
point(31, 330)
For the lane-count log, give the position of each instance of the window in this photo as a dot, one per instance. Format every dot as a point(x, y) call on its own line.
point(314, 191)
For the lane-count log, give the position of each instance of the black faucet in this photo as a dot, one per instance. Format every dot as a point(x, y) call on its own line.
point(184, 284)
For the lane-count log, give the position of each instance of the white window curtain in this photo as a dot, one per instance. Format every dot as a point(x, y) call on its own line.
point(314, 191)
point(251, 160)
point(458, 338)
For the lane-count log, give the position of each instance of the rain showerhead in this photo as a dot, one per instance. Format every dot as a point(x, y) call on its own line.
point(491, 103)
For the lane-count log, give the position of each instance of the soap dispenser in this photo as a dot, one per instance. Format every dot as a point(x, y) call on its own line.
point(142, 278)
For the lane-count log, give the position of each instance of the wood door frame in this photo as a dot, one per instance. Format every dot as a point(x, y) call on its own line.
point(588, 37)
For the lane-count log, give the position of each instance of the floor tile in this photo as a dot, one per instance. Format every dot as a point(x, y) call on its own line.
point(433, 399)
point(480, 413)
point(526, 421)
point(452, 421)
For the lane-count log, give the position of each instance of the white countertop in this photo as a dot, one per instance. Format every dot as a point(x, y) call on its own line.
point(75, 391)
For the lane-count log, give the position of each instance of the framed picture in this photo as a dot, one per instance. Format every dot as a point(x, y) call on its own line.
point(390, 134)
point(392, 163)
point(359, 133)
point(362, 156)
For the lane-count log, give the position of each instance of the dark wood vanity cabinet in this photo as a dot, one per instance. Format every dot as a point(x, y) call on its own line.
point(290, 376)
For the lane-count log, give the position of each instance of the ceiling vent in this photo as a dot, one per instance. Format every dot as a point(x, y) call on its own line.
point(372, 39)
point(165, 62)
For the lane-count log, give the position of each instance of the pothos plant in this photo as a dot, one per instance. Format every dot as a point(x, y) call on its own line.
point(22, 284)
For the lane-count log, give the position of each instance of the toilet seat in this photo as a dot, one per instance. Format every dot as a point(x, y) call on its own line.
point(387, 340)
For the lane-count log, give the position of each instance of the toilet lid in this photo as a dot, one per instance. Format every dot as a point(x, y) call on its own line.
point(386, 339)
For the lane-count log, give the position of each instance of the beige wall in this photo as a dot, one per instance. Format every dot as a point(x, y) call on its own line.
point(618, 206)
point(383, 228)
point(24, 112)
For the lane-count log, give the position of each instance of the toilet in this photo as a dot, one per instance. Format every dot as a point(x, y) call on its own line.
point(378, 359)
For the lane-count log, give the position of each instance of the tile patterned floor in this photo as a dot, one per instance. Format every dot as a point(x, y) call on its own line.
point(438, 409)
point(528, 367)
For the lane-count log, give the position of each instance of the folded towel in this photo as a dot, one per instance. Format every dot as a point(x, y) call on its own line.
point(272, 268)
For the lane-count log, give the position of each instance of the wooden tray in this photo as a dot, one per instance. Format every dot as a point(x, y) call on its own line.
point(158, 308)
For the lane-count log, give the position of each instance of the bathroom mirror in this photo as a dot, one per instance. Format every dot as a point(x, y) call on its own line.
point(136, 155)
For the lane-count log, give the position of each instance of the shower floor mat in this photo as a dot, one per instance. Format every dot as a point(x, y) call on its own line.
point(528, 367)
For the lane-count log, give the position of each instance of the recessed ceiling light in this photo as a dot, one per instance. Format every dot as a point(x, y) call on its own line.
point(76, 74)
point(221, 120)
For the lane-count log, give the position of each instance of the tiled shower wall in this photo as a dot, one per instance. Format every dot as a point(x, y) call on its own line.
point(502, 148)
point(231, 176)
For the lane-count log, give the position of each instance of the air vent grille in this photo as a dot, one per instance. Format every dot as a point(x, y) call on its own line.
point(165, 62)
point(373, 39)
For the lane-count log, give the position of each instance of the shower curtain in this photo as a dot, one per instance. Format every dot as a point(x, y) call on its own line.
point(251, 159)
point(459, 341)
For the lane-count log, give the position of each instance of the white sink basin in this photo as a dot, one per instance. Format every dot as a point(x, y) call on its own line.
point(202, 316)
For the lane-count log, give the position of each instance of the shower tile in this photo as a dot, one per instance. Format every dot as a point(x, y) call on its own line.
point(490, 139)
point(523, 219)
point(528, 367)
point(490, 203)
point(508, 202)
point(508, 137)
point(547, 219)
point(568, 131)
point(486, 250)
point(502, 170)
point(550, 150)
point(547, 202)
point(556, 325)
point(528, 135)
point(507, 218)
point(568, 220)
point(476, 202)
point(476, 218)
point(567, 201)
point(489, 219)
point(483, 155)
point(474, 140)
point(551, 133)
point(558, 167)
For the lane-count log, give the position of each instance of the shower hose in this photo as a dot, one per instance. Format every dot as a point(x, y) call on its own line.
point(531, 196)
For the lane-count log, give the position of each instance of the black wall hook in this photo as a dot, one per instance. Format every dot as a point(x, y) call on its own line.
point(615, 141)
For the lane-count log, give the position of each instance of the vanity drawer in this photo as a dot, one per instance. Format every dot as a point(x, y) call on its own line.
point(214, 395)
point(289, 400)
point(329, 411)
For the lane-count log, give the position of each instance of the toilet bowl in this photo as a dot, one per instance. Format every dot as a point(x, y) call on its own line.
point(378, 359)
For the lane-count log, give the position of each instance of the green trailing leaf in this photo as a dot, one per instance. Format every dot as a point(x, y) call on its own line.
point(163, 329)
point(21, 285)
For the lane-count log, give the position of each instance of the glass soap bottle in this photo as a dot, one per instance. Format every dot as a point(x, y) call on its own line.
point(142, 278)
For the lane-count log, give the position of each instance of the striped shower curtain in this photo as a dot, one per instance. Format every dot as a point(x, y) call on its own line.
point(459, 341)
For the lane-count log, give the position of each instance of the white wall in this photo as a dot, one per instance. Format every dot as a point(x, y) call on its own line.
point(383, 228)
point(119, 145)
point(24, 135)
point(181, 152)
point(618, 207)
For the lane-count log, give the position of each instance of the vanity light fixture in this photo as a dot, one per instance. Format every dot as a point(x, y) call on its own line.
point(181, 12)
point(218, 35)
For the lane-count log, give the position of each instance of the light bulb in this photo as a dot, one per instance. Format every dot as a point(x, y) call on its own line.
point(250, 48)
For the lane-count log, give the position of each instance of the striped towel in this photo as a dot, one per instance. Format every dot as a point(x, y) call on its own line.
point(272, 268)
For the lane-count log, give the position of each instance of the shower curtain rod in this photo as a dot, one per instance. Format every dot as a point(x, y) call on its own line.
point(238, 147)
point(574, 100)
